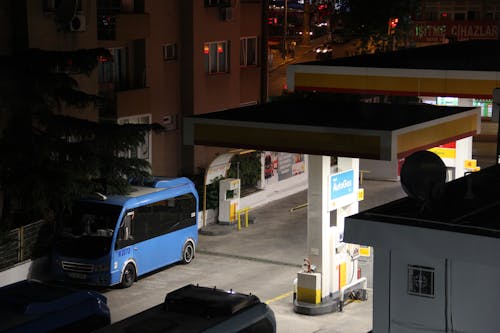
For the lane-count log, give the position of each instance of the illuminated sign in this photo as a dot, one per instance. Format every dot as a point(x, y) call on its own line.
point(342, 189)
point(438, 31)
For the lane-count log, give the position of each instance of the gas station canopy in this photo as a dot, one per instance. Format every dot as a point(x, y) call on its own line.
point(469, 69)
point(357, 130)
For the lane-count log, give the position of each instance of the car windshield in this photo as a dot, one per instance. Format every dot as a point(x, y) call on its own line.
point(91, 219)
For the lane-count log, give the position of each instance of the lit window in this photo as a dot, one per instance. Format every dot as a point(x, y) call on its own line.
point(216, 58)
point(248, 51)
point(421, 281)
point(113, 72)
point(169, 51)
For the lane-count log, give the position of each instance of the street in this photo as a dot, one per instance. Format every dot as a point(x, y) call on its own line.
point(304, 53)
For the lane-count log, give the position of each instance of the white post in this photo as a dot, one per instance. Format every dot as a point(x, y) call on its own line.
point(318, 220)
point(463, 151)
point(344, 164)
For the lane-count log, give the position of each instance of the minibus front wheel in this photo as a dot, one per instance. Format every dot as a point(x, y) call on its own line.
point(129, 275)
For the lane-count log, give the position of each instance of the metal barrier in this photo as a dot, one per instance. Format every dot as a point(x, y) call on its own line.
point(242, 211)
point(24, 243)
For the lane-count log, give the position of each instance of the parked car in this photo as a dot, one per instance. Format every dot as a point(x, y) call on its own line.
point(195, 309)
point(34, 306)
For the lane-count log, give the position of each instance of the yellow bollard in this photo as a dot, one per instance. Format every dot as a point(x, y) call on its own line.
point(243, 210)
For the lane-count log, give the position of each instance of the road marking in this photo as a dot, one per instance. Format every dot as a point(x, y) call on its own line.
point(277, 298)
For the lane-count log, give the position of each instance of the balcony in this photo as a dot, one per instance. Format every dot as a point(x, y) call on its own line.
point(123, 26)
point(133, 102)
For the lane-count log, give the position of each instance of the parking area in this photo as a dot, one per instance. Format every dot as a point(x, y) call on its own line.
point(262, 259)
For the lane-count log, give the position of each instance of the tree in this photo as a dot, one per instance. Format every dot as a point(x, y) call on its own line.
point(370, 20)
point(50, 156)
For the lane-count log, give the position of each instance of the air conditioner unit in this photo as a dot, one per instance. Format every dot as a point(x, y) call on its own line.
point(78, 23)
point(225, 13)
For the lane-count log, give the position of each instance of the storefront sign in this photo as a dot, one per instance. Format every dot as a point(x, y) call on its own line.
point(447, 150)
point(438, 31)
point(342, 189)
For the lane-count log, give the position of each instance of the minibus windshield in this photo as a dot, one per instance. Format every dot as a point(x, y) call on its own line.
point(88, 231)
point(89, 219)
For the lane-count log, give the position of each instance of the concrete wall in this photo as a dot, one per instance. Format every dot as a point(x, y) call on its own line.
point(37, 269)
point(465, 297)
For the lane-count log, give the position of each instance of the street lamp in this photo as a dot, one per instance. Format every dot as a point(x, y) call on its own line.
point(285, 30)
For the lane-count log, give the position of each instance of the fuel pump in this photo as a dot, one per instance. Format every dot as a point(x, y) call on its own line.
point(229, 199)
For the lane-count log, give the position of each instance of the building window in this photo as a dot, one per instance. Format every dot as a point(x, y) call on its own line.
point(216, 57)
point(248, 51)
point(143, 151)
point(421, 281)
point(113, 73)
point(473, 15)
point(217, 3)
point(169, 52)
point(53, 5)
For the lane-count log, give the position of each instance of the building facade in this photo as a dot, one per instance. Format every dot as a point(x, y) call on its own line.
point(170, 59)
point(456, 20)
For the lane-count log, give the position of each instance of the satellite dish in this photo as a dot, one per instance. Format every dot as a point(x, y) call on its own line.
point(423, 176)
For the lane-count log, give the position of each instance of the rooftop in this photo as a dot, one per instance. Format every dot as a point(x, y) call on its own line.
point(336, 114)
point(468, 205)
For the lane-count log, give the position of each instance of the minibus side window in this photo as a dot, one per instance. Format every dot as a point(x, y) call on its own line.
point(126, 231)
point(157, 219)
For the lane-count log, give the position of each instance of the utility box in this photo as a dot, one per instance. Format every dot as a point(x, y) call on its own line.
point(229, 199)
point(309, 287)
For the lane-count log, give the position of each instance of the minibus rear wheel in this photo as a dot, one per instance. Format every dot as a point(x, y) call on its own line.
point(187, 252)
point(128, 276)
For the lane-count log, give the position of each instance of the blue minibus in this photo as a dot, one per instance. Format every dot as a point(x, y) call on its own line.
point(39, 307)
point(112, 240)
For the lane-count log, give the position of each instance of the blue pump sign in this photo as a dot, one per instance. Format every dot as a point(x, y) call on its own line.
point(341, 189)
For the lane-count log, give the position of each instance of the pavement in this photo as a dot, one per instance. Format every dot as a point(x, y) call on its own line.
point(278, 236)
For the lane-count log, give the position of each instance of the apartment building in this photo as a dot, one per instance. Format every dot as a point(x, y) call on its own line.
point(170, 58)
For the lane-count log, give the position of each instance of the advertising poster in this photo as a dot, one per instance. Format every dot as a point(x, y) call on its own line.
point(281, 166)
point(270, 167)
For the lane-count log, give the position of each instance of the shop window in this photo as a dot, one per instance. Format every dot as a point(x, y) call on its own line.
point(216, 57)
point(421, 281)
point(248, 51)
point(169, 52)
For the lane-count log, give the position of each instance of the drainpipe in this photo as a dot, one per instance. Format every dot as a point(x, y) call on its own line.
point(264, 49)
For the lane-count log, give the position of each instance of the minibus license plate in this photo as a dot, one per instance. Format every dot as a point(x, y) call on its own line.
point(79, 276)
